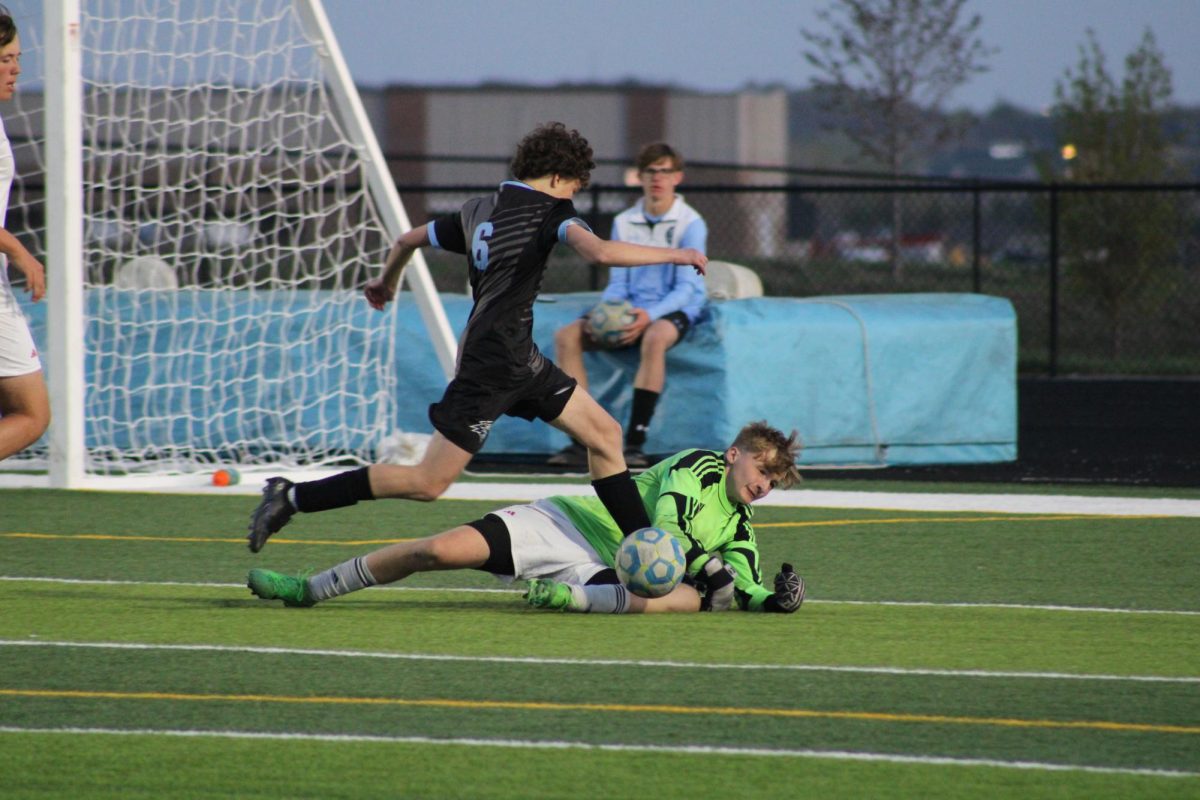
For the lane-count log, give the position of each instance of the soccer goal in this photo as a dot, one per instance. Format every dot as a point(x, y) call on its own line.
point(212, 198)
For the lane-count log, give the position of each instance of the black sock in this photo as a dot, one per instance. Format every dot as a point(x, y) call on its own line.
point(644, 402)
point(620, 496)
point(336, 491)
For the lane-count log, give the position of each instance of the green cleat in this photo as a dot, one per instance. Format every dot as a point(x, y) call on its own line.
point(269, 585)
point(547, 593)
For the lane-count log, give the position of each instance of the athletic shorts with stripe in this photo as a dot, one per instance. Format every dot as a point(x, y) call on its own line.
point(468, 408)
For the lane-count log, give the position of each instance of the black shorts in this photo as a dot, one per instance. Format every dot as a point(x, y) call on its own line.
point(680, 321)
point(468, 408)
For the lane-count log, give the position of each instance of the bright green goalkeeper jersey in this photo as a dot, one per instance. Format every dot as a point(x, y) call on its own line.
point(684, 495)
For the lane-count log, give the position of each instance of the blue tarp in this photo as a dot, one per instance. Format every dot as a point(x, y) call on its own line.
point(897, 379)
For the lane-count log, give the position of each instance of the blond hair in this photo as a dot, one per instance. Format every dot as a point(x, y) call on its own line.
point(759, 438)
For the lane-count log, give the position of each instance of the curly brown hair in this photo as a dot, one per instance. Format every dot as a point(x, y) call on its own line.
point(552, 149)
point(8, 27)
point(759, 438)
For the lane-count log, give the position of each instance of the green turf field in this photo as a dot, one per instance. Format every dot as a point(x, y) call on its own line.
point(939, 655)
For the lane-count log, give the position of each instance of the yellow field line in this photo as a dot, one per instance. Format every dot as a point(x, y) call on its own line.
point(107, 537)
point(808, 524)
point(516, 705)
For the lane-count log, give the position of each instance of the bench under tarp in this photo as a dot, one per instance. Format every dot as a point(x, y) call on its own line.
point(871, 379)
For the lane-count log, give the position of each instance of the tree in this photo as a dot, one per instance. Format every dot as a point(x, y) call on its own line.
point(1115, 242)
point(886, 66)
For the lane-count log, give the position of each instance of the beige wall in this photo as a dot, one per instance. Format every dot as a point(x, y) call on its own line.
point(730, 128)
point(743, 128)
point(762, 129)
point(491, 122)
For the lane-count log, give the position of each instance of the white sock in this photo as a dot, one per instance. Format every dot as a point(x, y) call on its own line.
point(604, 598)
point(349, 576)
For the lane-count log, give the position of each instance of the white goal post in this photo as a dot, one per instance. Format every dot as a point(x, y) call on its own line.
point(214, 198)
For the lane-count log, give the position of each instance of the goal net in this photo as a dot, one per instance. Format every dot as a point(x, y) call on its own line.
point(234, 201)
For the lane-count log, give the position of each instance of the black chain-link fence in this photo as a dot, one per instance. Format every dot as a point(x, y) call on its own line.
point(1105, 279)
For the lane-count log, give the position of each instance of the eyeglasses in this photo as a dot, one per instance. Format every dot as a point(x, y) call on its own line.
point(652, 171)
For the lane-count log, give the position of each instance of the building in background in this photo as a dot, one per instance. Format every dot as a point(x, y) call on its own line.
point(417, 125)
point(743, 128)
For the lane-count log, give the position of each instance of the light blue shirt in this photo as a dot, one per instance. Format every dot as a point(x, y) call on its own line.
point(660, 288)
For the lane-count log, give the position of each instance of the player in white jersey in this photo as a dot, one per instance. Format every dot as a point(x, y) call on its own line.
point(24, 401)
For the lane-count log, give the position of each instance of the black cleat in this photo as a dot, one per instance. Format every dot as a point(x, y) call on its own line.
point(573, 455)
point(635, 458)
point(273, 512)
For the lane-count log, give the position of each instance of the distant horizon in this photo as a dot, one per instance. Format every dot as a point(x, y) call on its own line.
point(949, 108)
point(628, 82)
point(713, 46)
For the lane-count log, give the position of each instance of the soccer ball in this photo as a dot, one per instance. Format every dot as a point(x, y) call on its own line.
point(650, 562)
point(606, 320)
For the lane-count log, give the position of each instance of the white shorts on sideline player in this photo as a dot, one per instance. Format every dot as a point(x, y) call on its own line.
point(18, 353)
point(545, 544)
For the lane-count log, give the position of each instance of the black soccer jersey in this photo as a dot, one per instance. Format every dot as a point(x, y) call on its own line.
point(507, 239)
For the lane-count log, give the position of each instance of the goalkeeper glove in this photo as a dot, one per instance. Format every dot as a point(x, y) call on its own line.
point(717, 579)
point(789, 592)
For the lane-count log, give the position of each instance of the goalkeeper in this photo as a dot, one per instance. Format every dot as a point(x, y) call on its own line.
point(565, 546)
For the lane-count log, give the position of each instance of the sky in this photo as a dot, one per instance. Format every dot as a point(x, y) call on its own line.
point(724, 45)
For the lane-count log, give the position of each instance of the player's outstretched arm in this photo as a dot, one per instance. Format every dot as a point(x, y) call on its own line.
point(627, 254)
point(380, 291)
point(750, 593)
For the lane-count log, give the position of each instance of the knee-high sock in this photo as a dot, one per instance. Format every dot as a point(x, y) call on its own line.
point(336, 491)
point(644, 402)
point(602, 598)
point(620, 496)
point(349, 576)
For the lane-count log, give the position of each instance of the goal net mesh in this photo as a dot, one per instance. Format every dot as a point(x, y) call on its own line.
point(228, 226)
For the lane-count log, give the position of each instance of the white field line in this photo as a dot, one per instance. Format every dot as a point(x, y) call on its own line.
point(810, 601)
point(804, 498)
point(597, 662)
point(700, 750)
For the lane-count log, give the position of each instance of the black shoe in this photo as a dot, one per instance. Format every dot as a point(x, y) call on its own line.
point(273, 512)
point(634, 457)
point(573, 455)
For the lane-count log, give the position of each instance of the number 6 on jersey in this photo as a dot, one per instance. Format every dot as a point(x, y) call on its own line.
point(479, 245)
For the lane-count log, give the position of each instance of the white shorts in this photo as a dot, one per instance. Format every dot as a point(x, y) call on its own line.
point(18, 353)
point(545, 544)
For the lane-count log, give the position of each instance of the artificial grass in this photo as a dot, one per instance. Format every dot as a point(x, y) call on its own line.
point(176, 563)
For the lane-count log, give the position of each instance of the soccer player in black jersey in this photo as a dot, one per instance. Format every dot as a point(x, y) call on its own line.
point(507, 239)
